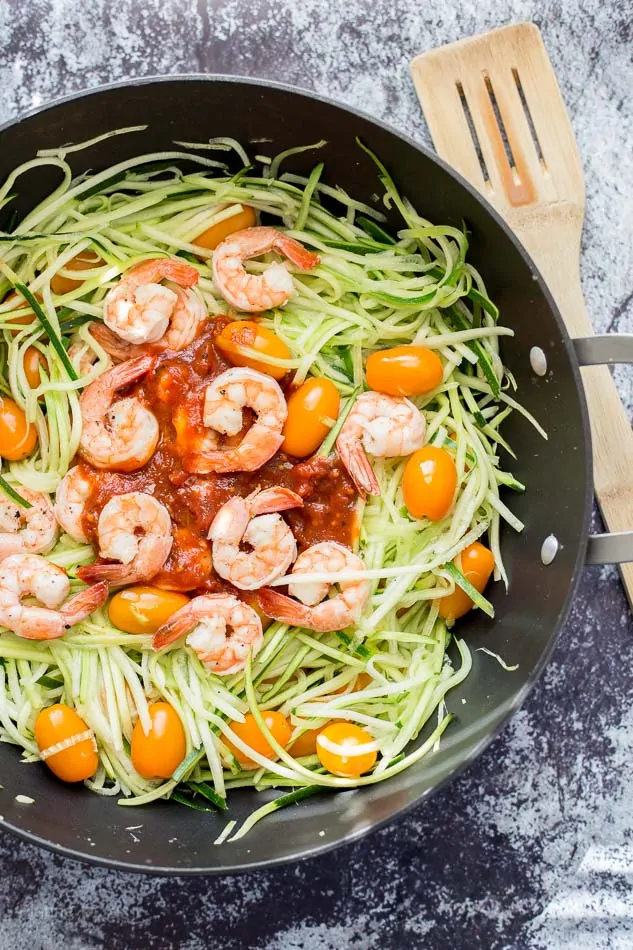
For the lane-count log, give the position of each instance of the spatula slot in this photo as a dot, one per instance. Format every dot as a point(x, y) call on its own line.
point(473, 131)
point(528, 117)
point(500, 123)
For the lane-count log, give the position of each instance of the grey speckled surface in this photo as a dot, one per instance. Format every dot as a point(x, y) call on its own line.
point(533, 848)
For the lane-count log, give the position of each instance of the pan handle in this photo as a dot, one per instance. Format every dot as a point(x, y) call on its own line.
point(608, 348)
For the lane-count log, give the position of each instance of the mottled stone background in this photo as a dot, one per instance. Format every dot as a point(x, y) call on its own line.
point(533, 847)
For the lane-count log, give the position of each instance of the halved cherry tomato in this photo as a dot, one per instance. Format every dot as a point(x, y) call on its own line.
point(34, 360)
point(255, 337)
point(159, 753)
point(217, 232)
point(17, 436)
point(59, 724)
point(335, 748)
point(250, 733)
point(429, 483)
point(312, 411)
point(143, 609)
point(404, 370)
point(84, 261)
point(476, 562)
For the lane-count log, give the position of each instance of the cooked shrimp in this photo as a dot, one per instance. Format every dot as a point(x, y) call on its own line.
point(27, 530)
point(118, 435)
point(224, 400)
point(253, 292)
point(70, 501)
point(187, 318)
point(139, 308)
point(385, 426)
point(254, 521)
point(24, 575)
point(341, 611)
point(82, 356)
point(135, 530)
point(208, 620)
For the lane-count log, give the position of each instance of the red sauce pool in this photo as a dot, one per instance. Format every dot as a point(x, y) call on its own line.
point(174, 390)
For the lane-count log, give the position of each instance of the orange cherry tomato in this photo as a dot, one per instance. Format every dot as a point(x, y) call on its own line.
point(255, 337)
point(34, 360)
point(217, 232)
point(84, 261)
point(335, 749)
point(363, 681)
point(429, 483)
point(312, 411)
point(250, 733)
point(476, 563)
point(143, 609)
point(17, 436)
point(61, 724)
point(306, 744)
point(25, 321)
point(159, 753)
point(404, 370)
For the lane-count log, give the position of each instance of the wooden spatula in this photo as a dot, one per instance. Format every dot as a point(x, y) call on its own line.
point(496, 114)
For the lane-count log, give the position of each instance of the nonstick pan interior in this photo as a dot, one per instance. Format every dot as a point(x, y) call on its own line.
point(556, 471)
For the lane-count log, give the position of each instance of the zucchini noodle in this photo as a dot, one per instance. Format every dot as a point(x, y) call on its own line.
point(372, 290)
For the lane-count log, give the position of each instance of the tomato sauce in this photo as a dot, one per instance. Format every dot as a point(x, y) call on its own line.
point(174, 391)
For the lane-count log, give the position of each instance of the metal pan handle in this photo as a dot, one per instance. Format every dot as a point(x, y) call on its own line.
point(609, 348)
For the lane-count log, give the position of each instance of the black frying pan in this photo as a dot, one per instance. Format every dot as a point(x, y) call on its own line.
point(557, 473)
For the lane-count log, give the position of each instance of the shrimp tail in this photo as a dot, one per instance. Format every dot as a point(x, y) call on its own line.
point(109, 573)
point(173, 629)
point(116, 347)
point(283, 608)
point(84, 603)
point(296, 252)
point(227, 460)
point(181, 273)
point(127, 373)
point(271, 500)
point(359, 467)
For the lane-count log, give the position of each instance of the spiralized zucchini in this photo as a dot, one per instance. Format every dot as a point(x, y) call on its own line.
point(372, 290)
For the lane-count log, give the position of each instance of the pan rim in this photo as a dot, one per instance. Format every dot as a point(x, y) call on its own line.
point(505, 712)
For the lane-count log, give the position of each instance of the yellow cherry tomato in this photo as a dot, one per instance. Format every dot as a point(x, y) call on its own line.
point(84, 261)
point(335, 747)
point(158, 753)
point(60, 724)
point(429, 483)
point(404, 370)
point(34, 360)
point(255, 337)
point(250, 733)
point(26, 320)
point(143, 609)
point(476, 562)
point(17, 436)
point(217, 232)
point(363, 681)
point(305, 744)
point(312, 411)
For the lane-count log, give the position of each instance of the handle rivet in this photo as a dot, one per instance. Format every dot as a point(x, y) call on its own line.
point(538, 361)
point(549, 549)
